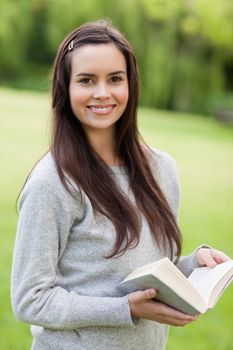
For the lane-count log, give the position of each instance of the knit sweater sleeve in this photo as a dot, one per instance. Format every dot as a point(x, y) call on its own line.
point(46, 216)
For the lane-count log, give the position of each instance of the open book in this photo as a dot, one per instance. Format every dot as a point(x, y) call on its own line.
point(192, 295)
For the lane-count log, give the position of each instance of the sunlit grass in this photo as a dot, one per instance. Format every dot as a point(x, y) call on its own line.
point(203, 150)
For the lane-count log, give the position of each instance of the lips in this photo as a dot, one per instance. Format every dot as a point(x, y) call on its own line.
point(101, 109)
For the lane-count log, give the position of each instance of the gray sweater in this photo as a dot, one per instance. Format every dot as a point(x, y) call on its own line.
point(61, 283)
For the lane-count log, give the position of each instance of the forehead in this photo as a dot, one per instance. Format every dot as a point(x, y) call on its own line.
point(105, 57)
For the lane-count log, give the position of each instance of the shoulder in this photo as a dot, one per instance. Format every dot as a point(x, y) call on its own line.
point(44, 184)
point(164, 169)
point(161, 163)
point(44, 174)
point(44, 166)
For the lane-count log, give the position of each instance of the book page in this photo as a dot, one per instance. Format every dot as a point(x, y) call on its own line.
point(206, 280)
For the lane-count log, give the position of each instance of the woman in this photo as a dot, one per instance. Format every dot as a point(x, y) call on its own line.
point(99, 204)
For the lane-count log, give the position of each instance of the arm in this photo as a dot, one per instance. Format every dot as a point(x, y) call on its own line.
point(169, 182)
point(141, 303)
point(40, 242)
point(203, 255)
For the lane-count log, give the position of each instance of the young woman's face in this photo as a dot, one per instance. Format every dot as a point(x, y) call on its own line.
point(98, 86)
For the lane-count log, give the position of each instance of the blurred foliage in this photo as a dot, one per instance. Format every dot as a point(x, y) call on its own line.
point(184, 47)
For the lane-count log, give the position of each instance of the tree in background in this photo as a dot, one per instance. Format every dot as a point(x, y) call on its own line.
point(14, 28)
point(191, 53)
point(38, 49)
point(184, 47)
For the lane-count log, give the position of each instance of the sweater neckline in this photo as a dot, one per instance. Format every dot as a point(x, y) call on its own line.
point(118, 169)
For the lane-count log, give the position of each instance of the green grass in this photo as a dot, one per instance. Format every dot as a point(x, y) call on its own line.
point(23, 137)
point(203, 149)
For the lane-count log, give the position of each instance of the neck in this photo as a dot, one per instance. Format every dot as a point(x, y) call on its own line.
point(104, 143)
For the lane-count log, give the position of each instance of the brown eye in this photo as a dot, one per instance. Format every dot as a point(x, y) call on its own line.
point(116, 79)
point(86, 81)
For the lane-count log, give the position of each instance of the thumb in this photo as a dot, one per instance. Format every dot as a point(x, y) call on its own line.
point(145, 294)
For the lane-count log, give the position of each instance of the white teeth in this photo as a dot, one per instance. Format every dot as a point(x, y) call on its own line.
point(101, 109)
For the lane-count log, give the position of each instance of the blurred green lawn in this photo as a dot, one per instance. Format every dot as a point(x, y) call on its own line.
point(203, 150)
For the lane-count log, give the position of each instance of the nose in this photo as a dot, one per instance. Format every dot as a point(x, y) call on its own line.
point(101, 92)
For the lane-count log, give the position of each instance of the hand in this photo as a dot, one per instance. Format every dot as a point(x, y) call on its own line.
point(210, 257)
point(142, 306)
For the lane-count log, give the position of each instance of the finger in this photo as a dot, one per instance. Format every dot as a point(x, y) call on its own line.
point(219, 256)
point(173, 314)
point(149, 293)
point(144, 295)
point(183, 323)
point(208, 259)
point(178, 322)
point(185, 320)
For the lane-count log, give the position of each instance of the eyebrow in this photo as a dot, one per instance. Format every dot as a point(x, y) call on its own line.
point(92, 75)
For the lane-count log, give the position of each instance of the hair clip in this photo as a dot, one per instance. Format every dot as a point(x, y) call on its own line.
point(71, 45)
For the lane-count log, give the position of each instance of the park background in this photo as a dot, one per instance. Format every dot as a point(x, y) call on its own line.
point(185, 56)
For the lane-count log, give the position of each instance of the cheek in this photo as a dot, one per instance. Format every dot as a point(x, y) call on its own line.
point(123, 95)
point(78, 96)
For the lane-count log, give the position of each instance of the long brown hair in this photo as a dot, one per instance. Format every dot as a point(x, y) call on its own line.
point(74, 156)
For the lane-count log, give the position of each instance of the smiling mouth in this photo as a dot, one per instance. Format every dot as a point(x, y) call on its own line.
point(104, 109)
